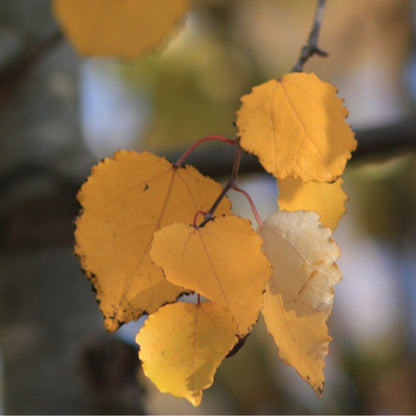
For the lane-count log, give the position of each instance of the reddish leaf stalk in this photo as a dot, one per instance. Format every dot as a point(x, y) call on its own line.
point(251, 202)
point(198, 142)
point(231, 184)
point(196, 216)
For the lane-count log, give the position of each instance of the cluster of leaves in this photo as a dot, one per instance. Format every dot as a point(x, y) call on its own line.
point(140, 242)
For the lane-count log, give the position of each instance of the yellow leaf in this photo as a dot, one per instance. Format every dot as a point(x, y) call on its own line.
point(296, 127)
point(327, 199)
point(299, 296)
point(302, 340)
point(182, 345)
point(222, 261)
point(121, 28)
point(124, 201)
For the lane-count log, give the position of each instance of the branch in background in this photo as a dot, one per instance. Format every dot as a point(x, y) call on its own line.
point(23, 222)
point(14, 74)
point(311, 48)
point(375, 143)
point(386, 141)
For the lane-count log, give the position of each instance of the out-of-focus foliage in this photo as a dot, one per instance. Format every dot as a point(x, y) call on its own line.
point(111, 28)
point(387, 195)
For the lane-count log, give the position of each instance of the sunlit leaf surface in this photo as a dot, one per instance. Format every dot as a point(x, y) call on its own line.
point(296, 127)
point(182, 345)
point(126, 198)
point(327, 199)
point(299, 296)
point(222, 261)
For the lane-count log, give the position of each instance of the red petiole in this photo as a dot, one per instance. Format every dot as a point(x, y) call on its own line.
point(251, 202)
point(231, 184)
point(205, 214)
point(232, 142)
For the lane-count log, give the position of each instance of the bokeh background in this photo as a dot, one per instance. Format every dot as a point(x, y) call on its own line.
point(60, 113)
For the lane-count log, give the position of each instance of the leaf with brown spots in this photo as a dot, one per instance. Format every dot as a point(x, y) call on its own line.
point(124, 201)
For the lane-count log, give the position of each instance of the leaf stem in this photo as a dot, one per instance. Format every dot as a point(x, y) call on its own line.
point(311, 48)
point(196, 216)
point(198, 142)
point(228, 185)
point(237, 161)
point(251, 202)
point(221, 196)
point(231, 184)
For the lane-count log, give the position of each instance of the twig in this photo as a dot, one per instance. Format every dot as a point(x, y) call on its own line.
point(231, 182)
point(311, 48)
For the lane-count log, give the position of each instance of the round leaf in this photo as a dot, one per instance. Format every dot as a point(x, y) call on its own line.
point(222, 261)
point(296, 127)
point(182, 345)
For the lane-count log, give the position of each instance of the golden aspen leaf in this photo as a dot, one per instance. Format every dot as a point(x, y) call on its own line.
point(327, 199)
point(221, 261)
point(118, 28)
point(126, 198)
point(302, 340)
point(296, 127)
point(182, 345)
point(299, 296)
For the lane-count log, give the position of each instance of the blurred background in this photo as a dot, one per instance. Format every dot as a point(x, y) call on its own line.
point(61, 113)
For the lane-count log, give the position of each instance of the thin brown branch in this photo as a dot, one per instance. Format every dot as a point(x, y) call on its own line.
point(311, 48)
point(229, 185)
point(386, 141)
